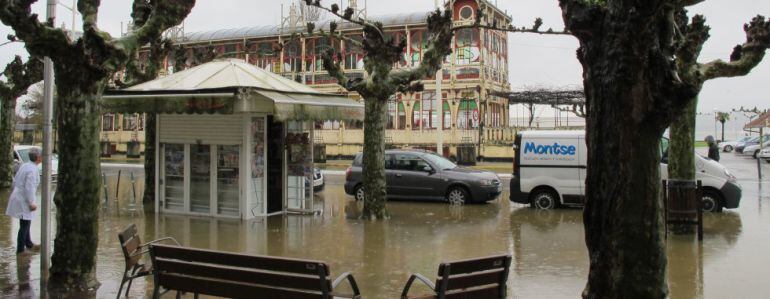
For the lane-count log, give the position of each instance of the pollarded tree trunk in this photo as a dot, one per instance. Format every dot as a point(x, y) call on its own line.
point(681, 159)
point(623, 213)
point(374, 159)
point(149, 158)
point(77, 233)
point(629, 86)
point(7, 113)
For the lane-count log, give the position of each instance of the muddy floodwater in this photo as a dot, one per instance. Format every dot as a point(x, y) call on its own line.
point(549, 254)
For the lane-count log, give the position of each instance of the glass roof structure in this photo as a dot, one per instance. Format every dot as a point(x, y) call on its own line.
point(415, 18)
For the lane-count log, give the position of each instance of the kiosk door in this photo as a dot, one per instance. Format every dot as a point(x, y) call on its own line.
point(275, 163)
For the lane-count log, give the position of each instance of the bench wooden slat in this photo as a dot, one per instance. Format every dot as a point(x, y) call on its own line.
point(212, 271)
point(474, 265)
point(474, 279)
point(241, 260)
point(475, 293)
point(229, 289)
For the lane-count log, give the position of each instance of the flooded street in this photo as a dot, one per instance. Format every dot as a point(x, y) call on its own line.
point(549, 254)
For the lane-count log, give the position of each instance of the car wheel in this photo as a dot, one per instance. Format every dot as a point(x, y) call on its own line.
point(756, 153)
point(544, 200)
point(711, 202)
point(457, 196)
point(728, 148)
point(359, 194)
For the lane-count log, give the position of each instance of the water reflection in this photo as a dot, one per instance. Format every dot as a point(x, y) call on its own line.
point(549, 254)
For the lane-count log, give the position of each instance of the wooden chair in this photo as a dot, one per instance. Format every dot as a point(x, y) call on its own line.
point(133, 250)
point(475, 278)
point(234, 275)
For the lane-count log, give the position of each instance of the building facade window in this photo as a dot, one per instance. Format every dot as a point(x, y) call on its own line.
point(467, 46)
point(419, 44)
point(467, 114)
point(391, 114)
point(132, 122)
point(416, 114)
point(354, 54)
point(292, 57)
point(108, 122)
point(429, 110)
point(401, 116)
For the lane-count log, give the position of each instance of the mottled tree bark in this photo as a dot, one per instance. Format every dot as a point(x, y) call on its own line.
point(374, 159)
point(77, 188)
point(681, 159)
point(7, 114)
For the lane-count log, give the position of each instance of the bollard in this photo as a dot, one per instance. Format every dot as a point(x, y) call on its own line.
point(106, 192)
point(117, 187)
point(132, 204)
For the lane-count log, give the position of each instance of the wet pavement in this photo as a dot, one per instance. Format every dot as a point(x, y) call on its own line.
point(549, 254)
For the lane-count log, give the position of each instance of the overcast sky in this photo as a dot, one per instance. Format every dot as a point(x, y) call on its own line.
point(534, 60)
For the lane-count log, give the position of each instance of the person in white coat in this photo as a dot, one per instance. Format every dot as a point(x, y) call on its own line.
point(22, 203)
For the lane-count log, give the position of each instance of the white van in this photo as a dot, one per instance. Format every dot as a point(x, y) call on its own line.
point(550, 170)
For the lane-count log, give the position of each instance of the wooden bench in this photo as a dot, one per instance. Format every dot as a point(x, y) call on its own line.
point(475, 278)
point(234, 275)
point(133, 250)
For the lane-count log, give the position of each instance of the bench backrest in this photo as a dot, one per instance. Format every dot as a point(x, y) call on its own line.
point(474, 278)
point(236, 275)
point(129, 243)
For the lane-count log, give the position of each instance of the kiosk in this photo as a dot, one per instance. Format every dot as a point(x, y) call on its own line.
point(232, 140)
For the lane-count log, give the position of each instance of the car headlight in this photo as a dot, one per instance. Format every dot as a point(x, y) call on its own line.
point(730, 176)
point(486, 182)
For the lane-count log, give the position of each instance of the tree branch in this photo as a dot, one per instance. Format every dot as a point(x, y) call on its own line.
point(164, 15)
point(40, 39)
point(581, 17)
point(89, 9)
point(335, 70)
point(744, 57)
point(347, 15)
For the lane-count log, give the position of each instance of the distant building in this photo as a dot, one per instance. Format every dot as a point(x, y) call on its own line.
point(477, 67)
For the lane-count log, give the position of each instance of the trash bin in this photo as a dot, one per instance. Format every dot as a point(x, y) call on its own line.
point(319, 153)
point(106, 148)
point(683, 204)
point(466, 154)
point(133, 149)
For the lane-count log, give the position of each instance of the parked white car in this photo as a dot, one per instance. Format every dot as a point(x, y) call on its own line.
point(753, 150)
point(21, 156)
point(729, 146)
point(764, 154)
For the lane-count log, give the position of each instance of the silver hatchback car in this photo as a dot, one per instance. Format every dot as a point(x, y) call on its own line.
point(422, 175)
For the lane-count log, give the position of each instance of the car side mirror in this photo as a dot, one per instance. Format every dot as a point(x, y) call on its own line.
point(428, 169)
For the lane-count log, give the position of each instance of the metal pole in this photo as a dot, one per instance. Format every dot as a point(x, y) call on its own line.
point(45, 199)
point(761, 146)
point(440, 137)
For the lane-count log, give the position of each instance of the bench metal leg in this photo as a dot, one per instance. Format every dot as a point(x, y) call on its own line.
point(122, 281)
point(131, 280)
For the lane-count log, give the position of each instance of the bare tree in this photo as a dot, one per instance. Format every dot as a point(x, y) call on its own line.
point(563, 100)
point(691, 35)
point(19, 76)
point(83, 68)
point(381, 54)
